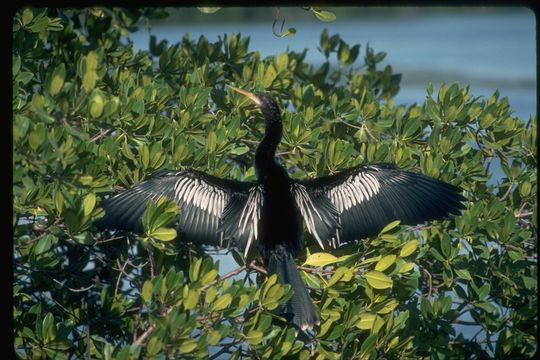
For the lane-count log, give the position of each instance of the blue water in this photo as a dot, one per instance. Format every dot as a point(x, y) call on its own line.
point(486, 50)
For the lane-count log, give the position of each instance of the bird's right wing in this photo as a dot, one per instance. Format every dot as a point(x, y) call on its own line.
point(213, 211)
point(360, 201)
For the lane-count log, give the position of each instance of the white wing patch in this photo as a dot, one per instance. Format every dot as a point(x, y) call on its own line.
point(308, 210)
point(249, 219)
point(200, 194)
point(357, 189)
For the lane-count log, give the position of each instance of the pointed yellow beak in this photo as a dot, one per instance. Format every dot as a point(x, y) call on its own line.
point(252, 96)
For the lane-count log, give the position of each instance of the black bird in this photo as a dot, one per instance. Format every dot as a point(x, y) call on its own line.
point(267, 215)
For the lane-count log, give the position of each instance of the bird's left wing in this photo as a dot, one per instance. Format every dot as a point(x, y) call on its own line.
point(213, 211)
point(367, 198)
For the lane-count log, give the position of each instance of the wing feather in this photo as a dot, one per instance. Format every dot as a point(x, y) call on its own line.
point(210, 208)
point(360, 201)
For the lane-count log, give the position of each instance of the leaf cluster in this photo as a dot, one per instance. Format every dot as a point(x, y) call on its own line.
point(92, 116)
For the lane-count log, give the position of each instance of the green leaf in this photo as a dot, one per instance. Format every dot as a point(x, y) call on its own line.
point(212, 141)
point(57, 81)
point(269, 76)
point(525, 188)
point(239, 150)
point(463, 273)
point(59, 202)
point(365, 322)
point(288, 32)
point(191, 300)
point(16, 67)
point(378, 280)
point(406, 267)
point(214, 337)
point(426, 308)
point(367, 345)
point(340, 274)
point(90, 76)
point(254, 337)
point(282, 61)
point(320, 259)
point(195, 269)
point(164, 234)
point(188, 346)
point(389, 227)
point(147, 291)
point(446, 246)
point(145, 156)
point(222, 302)
point(154, 346)
point(323, 15)
point(48, 328)
point(37, 136)
point(43, 245)
point(27, 16)
point(95, 105)
point(409, 248)
point(209, 277)
point(89, 203)
point(385, 262)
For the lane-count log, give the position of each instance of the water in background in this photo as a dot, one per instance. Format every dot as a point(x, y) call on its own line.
point(486, 50)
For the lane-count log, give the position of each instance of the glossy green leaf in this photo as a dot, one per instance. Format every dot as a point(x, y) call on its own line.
point(146, 292)
point(385, 262)
point(320, 259)
point(366, 320)
point(89, 203)
point(324, 15)
point(409, 248)
point(389, 227)
point(378, 280)
point(222, 302)
point(164, 234)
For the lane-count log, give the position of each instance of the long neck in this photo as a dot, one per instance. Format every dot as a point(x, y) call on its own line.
point(264, 157)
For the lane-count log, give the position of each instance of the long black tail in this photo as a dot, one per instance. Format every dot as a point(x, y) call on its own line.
point(299, 307)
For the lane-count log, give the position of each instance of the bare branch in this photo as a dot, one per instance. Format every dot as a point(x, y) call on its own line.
point(429, 281)
point(122, 271)
point(71, 289)
point(101, 134)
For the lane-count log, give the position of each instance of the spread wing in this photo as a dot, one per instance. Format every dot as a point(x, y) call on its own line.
point(360, 201)
point(213, 211)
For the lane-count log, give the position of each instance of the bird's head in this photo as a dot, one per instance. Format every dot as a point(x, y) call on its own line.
point(267, 104)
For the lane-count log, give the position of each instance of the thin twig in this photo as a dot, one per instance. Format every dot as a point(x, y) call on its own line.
point(101, 134)
point(507, 192)
point(137, 321)
point(525, 214)
point(316, 270)
point(349, 124)
point(119, 276)
point(430, 281)
point(248, 141)
point(252, 265)
point(99, 242)
point(151, 261)
point(227, 275)
point(71, 289)
point(140, 340)
point(121, 270)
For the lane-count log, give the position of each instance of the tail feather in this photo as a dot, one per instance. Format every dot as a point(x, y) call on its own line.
point(299, 306)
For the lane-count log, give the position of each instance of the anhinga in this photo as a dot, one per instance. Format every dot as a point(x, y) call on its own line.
point(267, 215)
